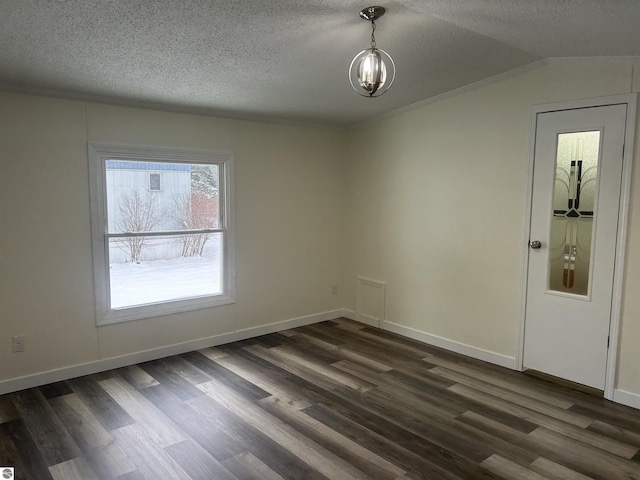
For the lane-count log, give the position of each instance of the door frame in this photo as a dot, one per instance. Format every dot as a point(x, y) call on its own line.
point(623, 213)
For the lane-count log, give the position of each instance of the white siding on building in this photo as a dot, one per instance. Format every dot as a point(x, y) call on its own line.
point(126, 178)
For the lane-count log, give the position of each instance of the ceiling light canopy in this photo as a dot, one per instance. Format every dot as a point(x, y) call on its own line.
point(372, 71)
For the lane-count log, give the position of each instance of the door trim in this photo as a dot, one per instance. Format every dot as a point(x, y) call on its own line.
point(623, 213)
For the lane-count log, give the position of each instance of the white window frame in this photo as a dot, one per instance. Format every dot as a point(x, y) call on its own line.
point(98, 155)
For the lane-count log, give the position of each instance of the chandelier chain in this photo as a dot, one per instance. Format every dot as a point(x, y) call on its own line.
point(373, 34)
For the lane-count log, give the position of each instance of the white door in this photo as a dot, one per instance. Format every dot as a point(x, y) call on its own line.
point(574, 221)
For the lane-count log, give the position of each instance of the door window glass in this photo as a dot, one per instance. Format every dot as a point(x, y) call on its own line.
point(574, 199)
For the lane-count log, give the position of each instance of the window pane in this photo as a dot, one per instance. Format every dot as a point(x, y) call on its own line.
point(147, 270)
point(137, 201)
point(154, 182)
point(573, 210)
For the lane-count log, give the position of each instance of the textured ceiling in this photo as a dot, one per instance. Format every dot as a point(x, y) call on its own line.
point(288, 59)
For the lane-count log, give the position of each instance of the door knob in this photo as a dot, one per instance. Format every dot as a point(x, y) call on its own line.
point(535, 244)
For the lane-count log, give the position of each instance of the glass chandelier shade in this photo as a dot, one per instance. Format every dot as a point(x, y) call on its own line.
point(372, 71)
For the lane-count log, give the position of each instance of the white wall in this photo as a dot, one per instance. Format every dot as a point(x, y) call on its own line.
point(436, 198)
point(288, 223)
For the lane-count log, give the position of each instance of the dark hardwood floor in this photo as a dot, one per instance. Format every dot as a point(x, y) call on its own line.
point(336, 400)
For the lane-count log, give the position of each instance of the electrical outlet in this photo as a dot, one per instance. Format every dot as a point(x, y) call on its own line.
point(334, 289)
point(18, 343)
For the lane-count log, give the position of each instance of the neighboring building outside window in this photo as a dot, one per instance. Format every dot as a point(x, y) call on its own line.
point(160, 248)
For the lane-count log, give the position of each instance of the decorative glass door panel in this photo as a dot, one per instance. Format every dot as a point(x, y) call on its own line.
point(574, 199)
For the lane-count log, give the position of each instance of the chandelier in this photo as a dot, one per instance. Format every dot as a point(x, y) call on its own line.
point(372, 71)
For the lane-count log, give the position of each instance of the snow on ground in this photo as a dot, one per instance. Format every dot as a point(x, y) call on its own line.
point(166, 280)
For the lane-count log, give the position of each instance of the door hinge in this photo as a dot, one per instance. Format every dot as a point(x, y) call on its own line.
point(623, 145)
point(608, 340)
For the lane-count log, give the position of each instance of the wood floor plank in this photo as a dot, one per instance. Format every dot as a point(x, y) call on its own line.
point(288, 333)
point(317, 352)
point(74, 469)
point(560, 423)
point(308, 361)
point(109, 462)
point(197, 462)
point(212, 353)
point(186, 370)
point(555, 471)
point(525, 385)
point(621, 434)
point(302, 447)
point(195, 424)
point(137, 377)
point(370, 346)
point(269, 340)
point(134, 475)
point(172, 374)
point(17, 449)
point(294, 386)
point(301, 371)
point(377, 342)
point(343, 352)
point(542, 415)
point(453, 434)
point(57, 389)
point(160, 429)
point(427, 398)
point(538, 445)
point(246, 466)
point(150, 461)
point(348, 324)
point(388, 340)
point(420, 379)
point(248, 370)
point(434, 399)
point(105, 409)
point(225, 376)
point(618, 417)
point(8, 410)
point(45, 428)
point(80, 422)
point(601, 463)
point(469, 443)
point(353, 409)
point(509, 470)
point(363, 459)
point(521, 398)
point(255, 441)
point(379, 444)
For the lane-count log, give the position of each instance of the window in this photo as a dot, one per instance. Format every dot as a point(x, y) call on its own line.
point(160, 250)
point(154, 182)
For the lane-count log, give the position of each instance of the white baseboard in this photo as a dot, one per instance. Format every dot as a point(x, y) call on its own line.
point(626, 398)
point(65, 373)
point(464, 349)
point(350, 314)
point(368, 320)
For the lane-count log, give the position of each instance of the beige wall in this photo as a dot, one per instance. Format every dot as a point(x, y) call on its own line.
point(288, 224)
point(436, 201)
point(431, 201)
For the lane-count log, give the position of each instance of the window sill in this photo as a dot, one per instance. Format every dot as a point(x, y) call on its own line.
point(162, 309)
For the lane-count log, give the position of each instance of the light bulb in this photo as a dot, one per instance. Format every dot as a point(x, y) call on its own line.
point(372, 72)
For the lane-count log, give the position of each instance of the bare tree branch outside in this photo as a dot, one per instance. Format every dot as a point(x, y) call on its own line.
point(137, 214)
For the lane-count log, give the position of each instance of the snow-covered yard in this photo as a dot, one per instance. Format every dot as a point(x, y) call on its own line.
point(166, 280)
